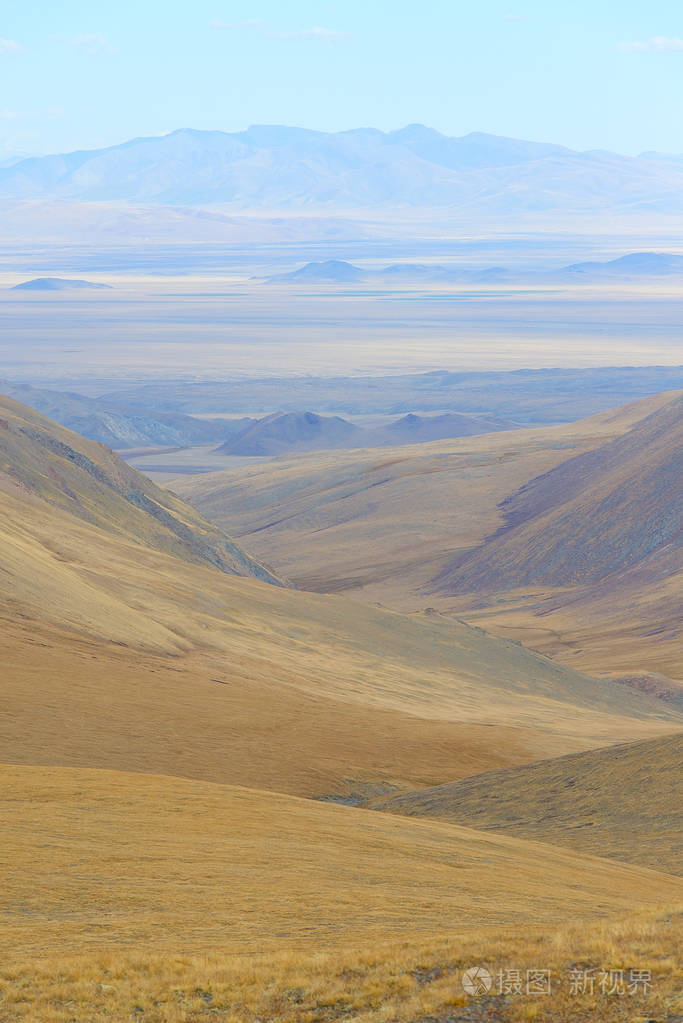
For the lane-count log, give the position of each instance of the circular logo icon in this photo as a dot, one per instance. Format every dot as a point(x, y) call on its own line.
point(477, 980)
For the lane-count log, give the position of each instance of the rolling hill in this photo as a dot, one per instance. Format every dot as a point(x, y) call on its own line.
point(337, 271)
point(40, 461)
point(154, 897)
point(293, 431)
point(589, 556)
point(618, 802)
point(418, 429)
point(329, 271)
point(57, 284)
point(280, 167)
point(129, 642)
point(289, 432)
point(634, 264)
point(318, 874)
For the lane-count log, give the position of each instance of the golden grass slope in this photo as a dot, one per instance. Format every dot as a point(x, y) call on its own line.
point(625, 802)
point(378, 521)
point(344, 519)
point(95, 859)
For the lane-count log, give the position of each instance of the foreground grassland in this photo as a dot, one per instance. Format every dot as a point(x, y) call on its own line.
point(405, 982)
point(95, 858)
point(131, 897)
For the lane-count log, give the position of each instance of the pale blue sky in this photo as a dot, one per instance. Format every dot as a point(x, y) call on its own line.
point(591, 74)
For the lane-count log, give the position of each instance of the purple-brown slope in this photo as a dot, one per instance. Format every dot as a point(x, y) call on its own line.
point(594, 515)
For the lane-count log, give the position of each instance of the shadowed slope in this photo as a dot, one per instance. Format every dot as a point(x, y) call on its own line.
point(625, 802)
point(593, 515)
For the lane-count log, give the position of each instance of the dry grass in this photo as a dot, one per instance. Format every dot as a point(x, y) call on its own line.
point(162, 899)
point(380, 521)
point(400, 981)
point(95, 858)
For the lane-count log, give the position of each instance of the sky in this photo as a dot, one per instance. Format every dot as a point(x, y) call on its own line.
point(593, 74)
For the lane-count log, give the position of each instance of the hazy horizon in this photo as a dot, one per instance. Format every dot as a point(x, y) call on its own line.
point(504, 69)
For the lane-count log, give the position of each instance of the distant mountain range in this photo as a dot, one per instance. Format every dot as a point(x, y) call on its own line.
point(281, 167)
point(123, 427)
point(131, 426)
point(634, 265)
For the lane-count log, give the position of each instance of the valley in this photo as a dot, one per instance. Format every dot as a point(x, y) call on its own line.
point(330, 523)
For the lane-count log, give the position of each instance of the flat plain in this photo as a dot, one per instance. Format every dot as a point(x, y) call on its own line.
point(211, 314)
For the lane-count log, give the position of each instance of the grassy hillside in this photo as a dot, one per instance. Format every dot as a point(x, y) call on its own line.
point(143, 662)
point(40, 460)
point(624, 802)
point(167, 899)
point(380, 520)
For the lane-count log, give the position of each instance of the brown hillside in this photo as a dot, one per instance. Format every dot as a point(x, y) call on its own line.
point(625, 802)
point(383, 524)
